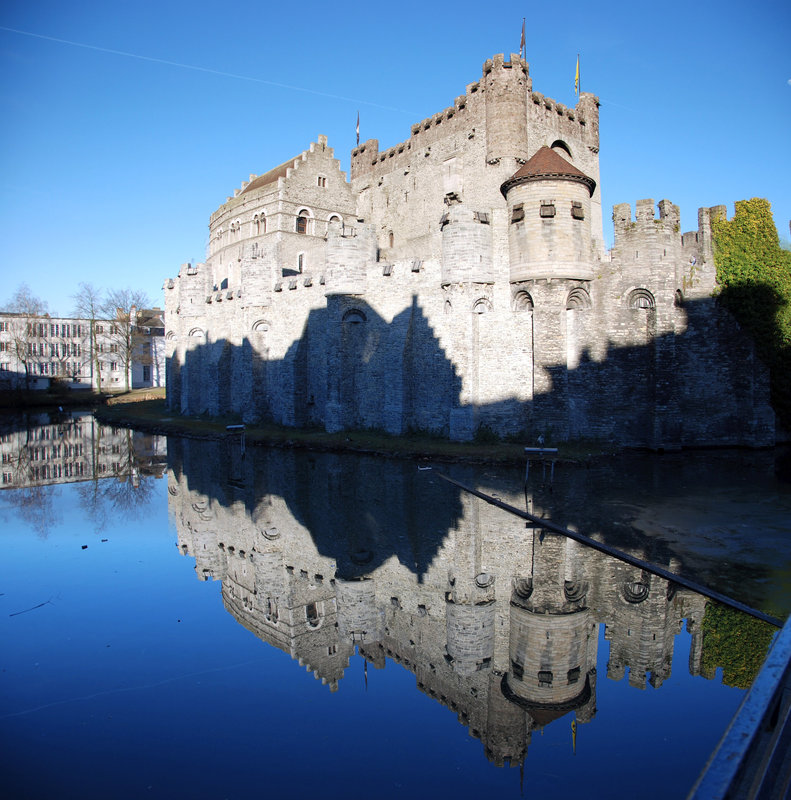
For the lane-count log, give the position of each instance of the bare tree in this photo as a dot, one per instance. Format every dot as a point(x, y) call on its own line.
point(27, 328)
point(122, 307)
point(89, 304)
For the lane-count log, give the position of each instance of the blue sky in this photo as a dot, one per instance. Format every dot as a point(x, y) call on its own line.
point(112, 156)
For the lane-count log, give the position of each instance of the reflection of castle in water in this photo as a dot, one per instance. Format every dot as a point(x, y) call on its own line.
point(499, 622)
point(46, 449)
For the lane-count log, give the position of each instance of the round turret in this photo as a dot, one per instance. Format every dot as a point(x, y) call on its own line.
point(549, 212)
point(359, 619)
point(506, 84)
point(470, 632)
point(349, 251)
point(549, 657)
point(466, 246)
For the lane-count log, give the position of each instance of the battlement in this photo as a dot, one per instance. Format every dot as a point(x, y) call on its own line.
point(645, 218)
point(366, 157)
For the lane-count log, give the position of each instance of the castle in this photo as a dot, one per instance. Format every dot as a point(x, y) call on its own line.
point(458, 283)
point(499, 622)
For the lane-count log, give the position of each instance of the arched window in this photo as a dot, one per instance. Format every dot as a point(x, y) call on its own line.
point(578, 298)
point(312, 615)
point(303, 221)
point(634, 591)
point(562, 149)
point(482, 306)
point(640, 299)
point(523, 302)
point(354, 317)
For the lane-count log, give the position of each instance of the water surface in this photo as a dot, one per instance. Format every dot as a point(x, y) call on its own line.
point(222, 625)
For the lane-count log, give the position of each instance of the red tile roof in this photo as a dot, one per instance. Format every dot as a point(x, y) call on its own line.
point(546, 164)
point(268, 177)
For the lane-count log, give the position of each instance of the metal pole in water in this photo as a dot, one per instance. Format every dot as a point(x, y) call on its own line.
point(619, 554)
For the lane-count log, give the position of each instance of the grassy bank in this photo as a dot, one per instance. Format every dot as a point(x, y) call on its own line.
point(146, 410)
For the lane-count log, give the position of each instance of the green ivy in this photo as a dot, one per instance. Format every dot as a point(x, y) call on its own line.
point(736, 642)
point(754, 277)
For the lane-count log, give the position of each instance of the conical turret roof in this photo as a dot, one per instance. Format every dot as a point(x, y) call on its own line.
point(546, 164)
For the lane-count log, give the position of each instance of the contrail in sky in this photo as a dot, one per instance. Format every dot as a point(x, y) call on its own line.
point(203, 69)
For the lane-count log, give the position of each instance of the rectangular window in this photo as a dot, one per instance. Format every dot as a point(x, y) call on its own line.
point(577, 211)
point(146, 373)
point(100, 329)
point(113, 348)
point(518, 213)
point(113, 365)
point(322, 181)
point(547, 209)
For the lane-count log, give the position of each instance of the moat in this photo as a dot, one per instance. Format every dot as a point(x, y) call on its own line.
point(181, 618)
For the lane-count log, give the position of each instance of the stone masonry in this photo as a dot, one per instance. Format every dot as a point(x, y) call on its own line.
point(458, 283)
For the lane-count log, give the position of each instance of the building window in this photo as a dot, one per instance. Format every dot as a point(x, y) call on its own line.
point(146, 373)
point(577, 211)
point(300, 262)
point(640, 299)
point(321, 181)
point(100, 329)
point(518, 213)
point(312, 615)
point(547, 209)
point(302, 222)
point(113, 366)
point(545, 677)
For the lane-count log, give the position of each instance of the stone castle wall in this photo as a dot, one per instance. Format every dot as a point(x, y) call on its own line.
point(418, 297)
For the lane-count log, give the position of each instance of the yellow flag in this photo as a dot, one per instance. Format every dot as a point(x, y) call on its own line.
point(577, 77)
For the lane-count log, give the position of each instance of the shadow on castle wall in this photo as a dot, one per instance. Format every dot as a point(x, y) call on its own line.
point(359, 511)
point(697, 383)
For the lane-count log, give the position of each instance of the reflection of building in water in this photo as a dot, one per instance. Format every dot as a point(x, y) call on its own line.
point(73, 446)
point(501, 626)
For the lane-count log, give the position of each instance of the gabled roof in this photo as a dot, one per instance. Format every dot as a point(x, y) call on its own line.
point(546, 164)
point(268, 177)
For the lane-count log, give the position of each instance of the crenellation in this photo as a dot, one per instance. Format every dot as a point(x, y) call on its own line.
point(458, 283)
